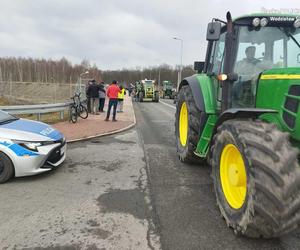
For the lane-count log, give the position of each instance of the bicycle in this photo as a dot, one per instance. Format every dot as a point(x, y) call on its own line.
point(77, 108)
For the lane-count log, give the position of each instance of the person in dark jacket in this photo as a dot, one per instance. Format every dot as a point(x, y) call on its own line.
point(102, 95)
point(93, 92)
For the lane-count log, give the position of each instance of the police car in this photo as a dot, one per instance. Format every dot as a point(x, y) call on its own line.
point(28, 147)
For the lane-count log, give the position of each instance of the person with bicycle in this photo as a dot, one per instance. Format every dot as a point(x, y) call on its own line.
point(112, 93)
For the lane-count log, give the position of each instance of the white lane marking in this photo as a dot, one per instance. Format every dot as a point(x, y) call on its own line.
point(169, 105)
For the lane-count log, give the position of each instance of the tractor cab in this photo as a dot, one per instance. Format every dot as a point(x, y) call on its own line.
point(254, 62)
point(256, 44)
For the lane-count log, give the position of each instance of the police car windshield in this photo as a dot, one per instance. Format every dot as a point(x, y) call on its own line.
point(5, 118)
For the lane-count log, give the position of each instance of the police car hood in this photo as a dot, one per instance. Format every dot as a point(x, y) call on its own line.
point(27, 130)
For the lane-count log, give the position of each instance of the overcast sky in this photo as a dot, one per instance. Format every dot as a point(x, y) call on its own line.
point(117, 34)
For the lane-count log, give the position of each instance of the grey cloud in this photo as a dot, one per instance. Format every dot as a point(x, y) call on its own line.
point(114, 34)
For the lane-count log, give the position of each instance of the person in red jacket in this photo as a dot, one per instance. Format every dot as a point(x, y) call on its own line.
point(112, 93)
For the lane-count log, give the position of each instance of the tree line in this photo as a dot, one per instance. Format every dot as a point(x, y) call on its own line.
point(63, 71)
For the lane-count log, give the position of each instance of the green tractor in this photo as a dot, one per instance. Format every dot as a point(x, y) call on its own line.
point(168, 90)
point(241, 114)
point(147, 89)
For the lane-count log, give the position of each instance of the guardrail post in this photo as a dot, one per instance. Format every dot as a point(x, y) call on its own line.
point(62, 114)
point(38, 116)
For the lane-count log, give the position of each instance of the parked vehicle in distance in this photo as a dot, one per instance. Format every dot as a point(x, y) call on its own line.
point(168, 90)
point(147, 90)
point(28, 147)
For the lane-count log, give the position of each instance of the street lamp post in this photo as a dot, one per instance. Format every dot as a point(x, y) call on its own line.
point(181, 51)
point(84, 73)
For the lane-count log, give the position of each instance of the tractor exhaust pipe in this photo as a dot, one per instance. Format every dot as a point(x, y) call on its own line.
point(228, 64)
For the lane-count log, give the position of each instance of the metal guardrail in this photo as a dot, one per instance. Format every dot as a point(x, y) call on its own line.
point(37, 109)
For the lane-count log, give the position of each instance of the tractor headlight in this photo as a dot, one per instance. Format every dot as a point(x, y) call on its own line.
point(256, 22)
point(263, 22)
point(297, 23)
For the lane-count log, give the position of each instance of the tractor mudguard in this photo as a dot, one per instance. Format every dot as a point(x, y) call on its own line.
point(234, 113)
point(214, 122)
point(193, 82)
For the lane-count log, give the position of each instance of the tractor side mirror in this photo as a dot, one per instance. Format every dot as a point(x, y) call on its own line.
point(199, 66)
point(298, 58)
point(213, 31)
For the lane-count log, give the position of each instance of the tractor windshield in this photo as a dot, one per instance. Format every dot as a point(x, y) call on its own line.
point(168, 85)
point(148, 84)
point(258, 50)
point(268, 47)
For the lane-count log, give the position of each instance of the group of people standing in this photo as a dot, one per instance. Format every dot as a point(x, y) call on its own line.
point(96, 94)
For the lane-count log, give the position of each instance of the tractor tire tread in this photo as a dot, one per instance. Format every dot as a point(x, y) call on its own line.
point(187, 155)
point(273, 188)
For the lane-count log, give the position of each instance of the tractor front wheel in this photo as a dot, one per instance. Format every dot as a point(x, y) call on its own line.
point(256, 178)
point(188, 125)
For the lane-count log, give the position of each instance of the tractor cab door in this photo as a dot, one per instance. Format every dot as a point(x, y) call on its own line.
point(252, 58)
point(215, 66)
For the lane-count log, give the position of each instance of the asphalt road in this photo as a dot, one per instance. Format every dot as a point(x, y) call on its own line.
point(127, 191)
point(98, 199)
point(186, 214)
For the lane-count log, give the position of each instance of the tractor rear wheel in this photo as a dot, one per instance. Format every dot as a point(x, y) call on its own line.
point(141, 96)
point(156, 96)
point(256, 178)
point(188, 122)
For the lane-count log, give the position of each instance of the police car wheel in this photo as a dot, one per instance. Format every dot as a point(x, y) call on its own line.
point(6, 168)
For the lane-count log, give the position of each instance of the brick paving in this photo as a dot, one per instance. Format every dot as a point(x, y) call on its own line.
point(95, 125)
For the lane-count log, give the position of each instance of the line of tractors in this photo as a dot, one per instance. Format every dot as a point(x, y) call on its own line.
point(149, 90)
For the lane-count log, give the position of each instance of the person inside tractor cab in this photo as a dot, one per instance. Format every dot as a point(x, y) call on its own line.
point(251, 65)
point(248, 65)
point(248, 70)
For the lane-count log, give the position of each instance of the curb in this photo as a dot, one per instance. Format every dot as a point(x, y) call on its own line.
point(107, 133)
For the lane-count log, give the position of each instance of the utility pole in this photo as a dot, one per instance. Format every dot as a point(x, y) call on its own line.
point(181, 54)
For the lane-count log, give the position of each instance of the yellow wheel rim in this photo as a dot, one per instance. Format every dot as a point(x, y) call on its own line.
point(233, 176)
point(183, 124)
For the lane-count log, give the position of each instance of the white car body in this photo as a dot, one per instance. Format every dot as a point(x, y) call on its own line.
point(33, 147)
